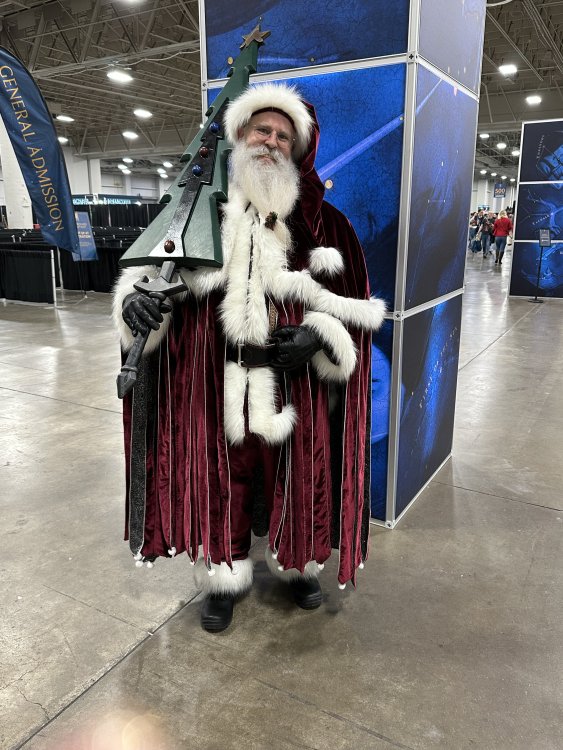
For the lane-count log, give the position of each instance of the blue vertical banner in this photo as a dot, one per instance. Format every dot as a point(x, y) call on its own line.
point(34, 140)
point(85, 237)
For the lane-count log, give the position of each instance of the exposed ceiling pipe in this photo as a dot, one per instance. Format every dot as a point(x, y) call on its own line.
point(500, 2)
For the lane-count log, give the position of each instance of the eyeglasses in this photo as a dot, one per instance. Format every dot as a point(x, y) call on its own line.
point(263, 132)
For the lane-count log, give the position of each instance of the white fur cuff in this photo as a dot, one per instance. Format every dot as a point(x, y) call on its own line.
point(311, 569)
point(339, 343)
point(123, 287)
point(325, 261)
point(367, 314)
point(223, 580)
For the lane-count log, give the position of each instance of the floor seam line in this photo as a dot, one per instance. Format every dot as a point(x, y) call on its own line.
point(499, 497)
point(60, 400)
point(101, 677)
point(334, 715)
point(92, 606)
point(496, 340)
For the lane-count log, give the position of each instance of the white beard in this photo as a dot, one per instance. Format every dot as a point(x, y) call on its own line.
point(269, 186)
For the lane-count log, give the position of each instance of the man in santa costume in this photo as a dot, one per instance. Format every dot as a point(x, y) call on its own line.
point(252, 404)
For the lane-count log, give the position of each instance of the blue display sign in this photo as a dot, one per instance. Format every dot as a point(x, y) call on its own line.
point(85, 237)
point(499, 190)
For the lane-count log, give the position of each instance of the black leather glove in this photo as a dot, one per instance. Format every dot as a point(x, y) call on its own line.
point(142, 312)
point(296, 346)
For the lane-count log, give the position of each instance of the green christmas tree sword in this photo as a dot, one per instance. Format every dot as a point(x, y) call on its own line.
point(187, 232)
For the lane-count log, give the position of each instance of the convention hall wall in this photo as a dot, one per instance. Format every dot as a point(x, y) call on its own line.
point(386, 90)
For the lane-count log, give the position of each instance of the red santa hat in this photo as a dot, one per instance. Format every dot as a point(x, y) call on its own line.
point(270, 97)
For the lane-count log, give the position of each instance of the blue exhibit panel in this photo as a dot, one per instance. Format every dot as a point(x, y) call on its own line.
point(381, 355)
point(539, 207)
point(541, 152)
point(359, 157)
point(451, 37)
point(525, 259)
point(444, 147)
point(429, 378)
point(305, 32)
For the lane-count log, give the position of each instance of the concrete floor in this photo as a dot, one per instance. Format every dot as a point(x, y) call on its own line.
point(452, 640)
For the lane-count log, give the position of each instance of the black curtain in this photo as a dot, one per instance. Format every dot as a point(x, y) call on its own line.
point(25, 275)
point(91, 275)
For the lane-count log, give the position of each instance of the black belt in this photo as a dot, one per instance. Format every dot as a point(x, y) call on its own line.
point(251, 355)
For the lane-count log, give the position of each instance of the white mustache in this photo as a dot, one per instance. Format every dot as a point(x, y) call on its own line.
point(265, 151)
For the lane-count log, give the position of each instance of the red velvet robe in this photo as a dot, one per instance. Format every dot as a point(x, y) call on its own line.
point(178, 483)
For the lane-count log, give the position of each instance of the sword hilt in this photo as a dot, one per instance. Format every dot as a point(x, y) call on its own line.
point(158, 289)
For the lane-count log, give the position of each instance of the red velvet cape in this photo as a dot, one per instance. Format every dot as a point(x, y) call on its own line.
point(178, 484)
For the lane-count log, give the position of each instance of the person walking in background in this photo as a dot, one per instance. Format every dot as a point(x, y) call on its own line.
point(486, 230)
point(502, 229)
point(473, 225)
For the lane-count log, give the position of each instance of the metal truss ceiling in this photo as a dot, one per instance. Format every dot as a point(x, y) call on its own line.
point(529, 34)
point(69, 45)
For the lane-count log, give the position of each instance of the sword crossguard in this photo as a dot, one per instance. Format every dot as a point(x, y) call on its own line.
point(163, 285)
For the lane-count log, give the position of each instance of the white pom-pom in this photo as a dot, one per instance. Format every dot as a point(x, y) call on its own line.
point(341, 586)
point(211, 572)
point(321, 566)
point(361, 566)
point(172, 551)
point(150, 564)
point(139, 564)
point(274, 555)
point(234, 570)
point(280, 568)
point(138, 556)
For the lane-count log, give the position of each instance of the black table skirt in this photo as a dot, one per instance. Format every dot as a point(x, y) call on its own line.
point(25, 275)
point(25, 271)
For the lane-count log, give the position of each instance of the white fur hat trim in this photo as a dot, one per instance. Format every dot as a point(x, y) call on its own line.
point(278, 96)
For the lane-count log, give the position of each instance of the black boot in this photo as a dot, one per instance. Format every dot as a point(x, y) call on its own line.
point(306, 592)
point(217, 613)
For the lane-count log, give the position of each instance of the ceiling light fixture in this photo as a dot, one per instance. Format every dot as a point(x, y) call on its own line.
point(493, 174)
point(534, 99)
point(501, 146)
point(483, 171)
point(508, 70)
point(62, 139)
point(65, 118)
point(144, 114)
point(503, 177)
point(130, 135)
point(167, 164)
point(122, 167)
point(161, 170)
point(516, 152)
point(513, 179)
point(484, 136)
point(119, 76)
point(127, 160)
point(163, 175)
point(126, 171)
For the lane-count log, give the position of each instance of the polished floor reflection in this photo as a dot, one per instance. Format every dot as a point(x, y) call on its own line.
point(452, 639)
